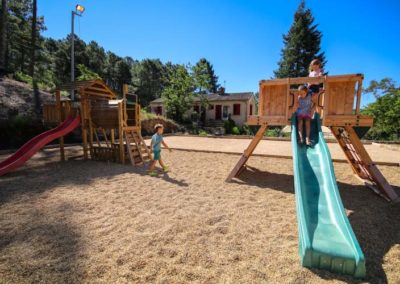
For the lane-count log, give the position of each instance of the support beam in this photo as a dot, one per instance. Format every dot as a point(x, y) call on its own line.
point(362, 164)
point(59, 118)
point(247, 153)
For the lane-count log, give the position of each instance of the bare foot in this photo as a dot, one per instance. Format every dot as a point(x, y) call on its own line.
point(308, 143)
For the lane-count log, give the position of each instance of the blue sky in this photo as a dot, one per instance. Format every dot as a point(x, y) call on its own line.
point(241, 38)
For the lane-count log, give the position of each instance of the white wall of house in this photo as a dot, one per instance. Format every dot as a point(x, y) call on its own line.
point(229, 105)
point(154, 107)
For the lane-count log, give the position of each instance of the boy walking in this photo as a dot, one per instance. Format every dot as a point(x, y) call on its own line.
point(156, 141)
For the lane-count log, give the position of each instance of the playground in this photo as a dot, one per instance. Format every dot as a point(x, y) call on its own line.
point(211, 218)
point(88, 221)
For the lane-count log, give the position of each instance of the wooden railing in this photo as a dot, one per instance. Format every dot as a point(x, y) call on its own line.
point(342, 97)
point(52, 115)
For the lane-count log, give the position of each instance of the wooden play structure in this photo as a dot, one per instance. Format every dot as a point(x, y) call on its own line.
point(110, 127)
point(339, 108)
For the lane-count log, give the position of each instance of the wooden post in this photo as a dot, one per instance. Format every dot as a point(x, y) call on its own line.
point(358, 102)
point(247, 153)
point(287, 100)
point(84, 116)
point(325, 102)
point(112, 136)
point(121, 133)
point(377, 176)
point(61, 140)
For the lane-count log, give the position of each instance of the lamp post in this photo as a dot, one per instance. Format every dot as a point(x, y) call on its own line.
point(79, 9)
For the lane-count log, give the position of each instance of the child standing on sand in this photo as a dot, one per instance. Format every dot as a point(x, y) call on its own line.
point(303, 112)
point(156, 141)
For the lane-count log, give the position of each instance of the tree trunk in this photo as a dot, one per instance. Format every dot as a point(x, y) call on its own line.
point(36, 93)
point(33, 39)
point(3, 37)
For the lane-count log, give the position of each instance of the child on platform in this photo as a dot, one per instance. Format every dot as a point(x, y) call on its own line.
point(315, 71)
point(303, 112)
point(156, 141)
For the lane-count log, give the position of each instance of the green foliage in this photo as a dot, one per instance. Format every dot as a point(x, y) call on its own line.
point(178, 95)
point(148, 78)
point(246, 130)
point(203, 133)
point(86, 73)
point(385, 111)
point(204, 77)
point(229, 125)
point(235, 130)
point(146, 115)
point(19, 76)
point(377, 88)
point(301, 45)
point(273, 132)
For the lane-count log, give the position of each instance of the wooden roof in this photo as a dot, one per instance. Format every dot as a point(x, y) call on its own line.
point(95, 88)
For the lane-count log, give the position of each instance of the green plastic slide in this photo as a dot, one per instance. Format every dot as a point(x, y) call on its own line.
point(326, 239)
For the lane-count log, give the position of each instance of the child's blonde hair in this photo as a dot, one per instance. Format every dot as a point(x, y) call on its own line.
point(302, 88)
point(158, 126)
point(315, 62)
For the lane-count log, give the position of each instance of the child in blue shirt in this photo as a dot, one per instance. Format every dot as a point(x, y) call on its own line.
point(156, 141)
point(303, 112)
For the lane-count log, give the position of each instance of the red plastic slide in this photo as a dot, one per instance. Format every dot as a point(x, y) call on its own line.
point(31, 147)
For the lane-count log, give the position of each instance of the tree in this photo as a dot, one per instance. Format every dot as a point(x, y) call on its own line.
point(86, 74)
point(148, 78)
point(385, 110)
point(178, 95)
point(36, 93)
point(204, 77)
point(3, 36)
point(301, 45)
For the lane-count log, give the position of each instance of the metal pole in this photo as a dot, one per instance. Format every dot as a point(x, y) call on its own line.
point(72, 55)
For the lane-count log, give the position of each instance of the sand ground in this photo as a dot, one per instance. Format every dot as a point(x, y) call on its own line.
point(378, 152)
point(97, 222)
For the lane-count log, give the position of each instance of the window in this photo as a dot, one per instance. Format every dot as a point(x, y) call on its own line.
point(196, 109)
point(236, 109)
point(251, 109)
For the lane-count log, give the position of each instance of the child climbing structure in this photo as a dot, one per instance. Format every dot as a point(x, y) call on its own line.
point(111, 128)
point(326, 239)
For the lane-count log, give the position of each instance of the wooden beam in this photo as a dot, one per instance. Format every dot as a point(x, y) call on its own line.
point(270, 120)
point(121, 133)
point(247, 153)
point(377, 176)
point(84, 116)
point(59, 118)
point(347, 120)
point(358, 101)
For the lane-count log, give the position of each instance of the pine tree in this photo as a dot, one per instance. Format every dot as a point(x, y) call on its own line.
point(204, 76)
point(3, 36)
point(301, 45)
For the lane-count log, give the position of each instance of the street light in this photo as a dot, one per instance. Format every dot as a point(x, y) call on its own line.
point(79, 9)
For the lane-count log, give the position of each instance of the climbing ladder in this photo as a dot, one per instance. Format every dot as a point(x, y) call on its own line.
point(361, 163)
point(137, 149)
point(247, 153)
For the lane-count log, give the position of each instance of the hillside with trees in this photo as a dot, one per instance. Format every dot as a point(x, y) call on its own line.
point(27, 56)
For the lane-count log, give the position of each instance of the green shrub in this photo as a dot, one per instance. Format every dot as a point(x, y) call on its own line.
point(203, 133)
point(235, 130)
point(22, 77)
point(246, 130)
point(273, 132)
point(229, 125)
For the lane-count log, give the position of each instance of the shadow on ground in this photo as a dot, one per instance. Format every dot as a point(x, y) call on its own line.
point(375, 222)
